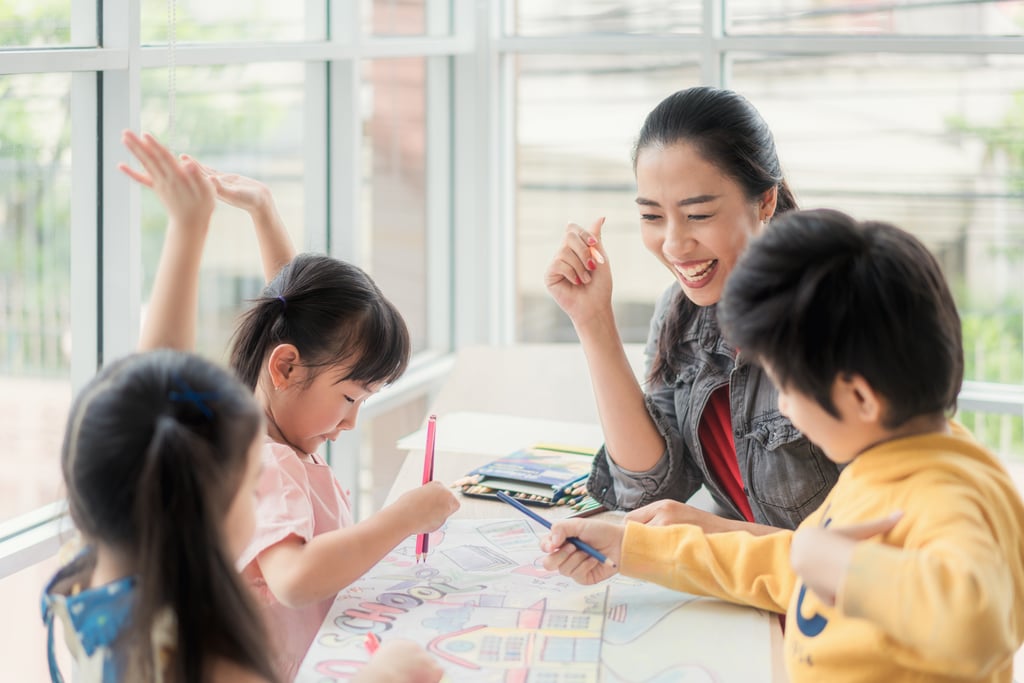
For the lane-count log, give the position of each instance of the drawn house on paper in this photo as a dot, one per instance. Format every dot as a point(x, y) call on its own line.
point(550, 645)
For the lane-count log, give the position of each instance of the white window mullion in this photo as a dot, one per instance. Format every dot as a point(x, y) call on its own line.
point(315, 136)
point(438, 197)
point(85, 290)
point(711, 55)
point(344, 223)
point(475, 208)
point(84, 217)
point(121, 255)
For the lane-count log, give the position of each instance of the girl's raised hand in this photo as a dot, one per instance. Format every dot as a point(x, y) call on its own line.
point(186, 193)
point(568, 560)
point(237, 190)
point(428, 506)
point(579, 278)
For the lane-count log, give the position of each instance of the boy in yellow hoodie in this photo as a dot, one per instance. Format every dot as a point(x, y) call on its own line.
point(913, 568)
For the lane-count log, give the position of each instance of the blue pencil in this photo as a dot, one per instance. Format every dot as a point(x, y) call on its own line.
point(585, 547)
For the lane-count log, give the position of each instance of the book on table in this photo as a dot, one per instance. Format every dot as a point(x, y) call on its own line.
point(542, 474)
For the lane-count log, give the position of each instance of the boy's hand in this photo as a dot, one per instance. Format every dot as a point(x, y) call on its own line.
point(400, 661)
point(567, 559)
point(821, 555)
point(428, 506)
point(185, 192)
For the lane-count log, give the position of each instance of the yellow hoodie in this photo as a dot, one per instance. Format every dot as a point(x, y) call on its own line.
point(938, 598)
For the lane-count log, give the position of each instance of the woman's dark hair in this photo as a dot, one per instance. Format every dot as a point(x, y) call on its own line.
point(729, 133)
point(820, 295)
point(332, 312)
point(155, 451)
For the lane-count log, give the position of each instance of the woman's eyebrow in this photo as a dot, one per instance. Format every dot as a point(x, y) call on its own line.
point(699, 199)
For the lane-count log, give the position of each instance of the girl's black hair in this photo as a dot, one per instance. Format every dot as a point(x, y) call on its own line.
point(155, 451)
point(729, 133)
point(819, 295)
point(332, 312)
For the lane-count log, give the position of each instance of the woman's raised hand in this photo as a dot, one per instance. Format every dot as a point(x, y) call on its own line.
point(579, 278)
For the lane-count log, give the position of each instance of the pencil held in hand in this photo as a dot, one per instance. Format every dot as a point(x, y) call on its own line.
point(423, 540)
point(585, 547)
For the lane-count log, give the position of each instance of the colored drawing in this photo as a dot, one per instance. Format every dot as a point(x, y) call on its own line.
point(489, 612)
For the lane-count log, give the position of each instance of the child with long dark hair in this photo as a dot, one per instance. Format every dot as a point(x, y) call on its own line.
point(320, 341)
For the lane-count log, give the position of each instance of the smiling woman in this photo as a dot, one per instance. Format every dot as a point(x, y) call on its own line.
point(708, 179)
point(695, 219)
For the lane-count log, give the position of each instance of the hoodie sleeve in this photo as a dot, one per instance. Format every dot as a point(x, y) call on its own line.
point(734, 566)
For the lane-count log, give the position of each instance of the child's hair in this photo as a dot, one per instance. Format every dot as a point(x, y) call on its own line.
point(729, 133)
point(332, 312)
point(820, 295)
point(155, 450)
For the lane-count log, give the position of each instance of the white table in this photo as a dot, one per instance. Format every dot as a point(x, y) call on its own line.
point(500, 399)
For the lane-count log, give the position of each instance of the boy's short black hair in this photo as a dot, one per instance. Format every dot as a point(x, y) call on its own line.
point(820, 295)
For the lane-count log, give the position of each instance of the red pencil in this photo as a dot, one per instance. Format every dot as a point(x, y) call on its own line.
point(423, 540)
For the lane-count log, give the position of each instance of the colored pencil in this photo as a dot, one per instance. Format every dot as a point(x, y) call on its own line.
point(585, 547)
point(423, 540)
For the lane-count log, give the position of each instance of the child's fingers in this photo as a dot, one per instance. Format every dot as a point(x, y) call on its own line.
point(207, 170)
point(147, 150)
point(557, 556)
point(865, 530)
point(139, 150)
point(138, 177)
point(168, 163)
point(199, 180)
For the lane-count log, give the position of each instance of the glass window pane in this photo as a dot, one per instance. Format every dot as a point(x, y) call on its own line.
point(35, 23)
point(1004, 434)
point(201, 21)
point(394, 182)
point(934, 144)
point(576, 120)
point(245, 119)
point(35, 293)
point(545, 18)
point(406, 17)
point(908, 17)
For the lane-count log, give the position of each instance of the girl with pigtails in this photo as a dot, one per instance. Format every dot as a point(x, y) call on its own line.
point(313, 348)
point(162, 460)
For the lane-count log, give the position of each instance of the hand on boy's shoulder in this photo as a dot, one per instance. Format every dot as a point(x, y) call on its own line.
point(821, 555)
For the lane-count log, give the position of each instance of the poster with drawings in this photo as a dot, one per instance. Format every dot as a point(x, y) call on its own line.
point(486, 608)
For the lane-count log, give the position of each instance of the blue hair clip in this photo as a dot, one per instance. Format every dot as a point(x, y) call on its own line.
point(196, 397)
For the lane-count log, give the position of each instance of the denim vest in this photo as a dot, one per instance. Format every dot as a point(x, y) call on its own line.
point(785, 477)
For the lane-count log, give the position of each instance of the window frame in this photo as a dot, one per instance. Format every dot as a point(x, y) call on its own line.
point(470, 184)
